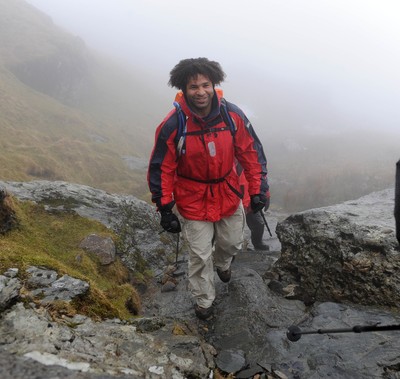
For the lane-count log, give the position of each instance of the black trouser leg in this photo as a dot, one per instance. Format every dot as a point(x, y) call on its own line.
point(256, 225)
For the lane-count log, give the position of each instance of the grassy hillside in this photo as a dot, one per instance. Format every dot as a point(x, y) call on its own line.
point(52, 241)
point(66, 113)
point(44, 139)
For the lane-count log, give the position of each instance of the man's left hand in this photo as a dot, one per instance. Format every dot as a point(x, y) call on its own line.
point(258, 202)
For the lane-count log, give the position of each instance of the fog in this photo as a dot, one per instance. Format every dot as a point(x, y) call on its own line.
point(319, 80)
point(322, 59)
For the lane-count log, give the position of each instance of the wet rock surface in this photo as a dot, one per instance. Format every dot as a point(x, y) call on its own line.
point(341, 355)
point(110, 347)
point(250, 324)
point(246, 334)
point(346, 252)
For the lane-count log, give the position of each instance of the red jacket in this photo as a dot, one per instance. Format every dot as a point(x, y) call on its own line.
point(203, 180)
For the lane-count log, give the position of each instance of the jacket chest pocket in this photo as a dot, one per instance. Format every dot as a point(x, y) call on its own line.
point(218, 144)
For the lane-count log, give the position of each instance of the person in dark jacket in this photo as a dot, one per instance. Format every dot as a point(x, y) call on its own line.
point(195, 171)
point(254, 221)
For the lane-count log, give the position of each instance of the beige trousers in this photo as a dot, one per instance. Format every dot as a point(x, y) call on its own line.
point(227, 235)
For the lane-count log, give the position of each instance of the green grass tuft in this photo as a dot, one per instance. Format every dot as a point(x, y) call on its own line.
point(52, 241)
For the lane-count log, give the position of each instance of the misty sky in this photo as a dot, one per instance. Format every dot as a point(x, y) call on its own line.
point(350, 48)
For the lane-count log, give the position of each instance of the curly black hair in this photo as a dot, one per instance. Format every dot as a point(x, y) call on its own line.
point(189, 68)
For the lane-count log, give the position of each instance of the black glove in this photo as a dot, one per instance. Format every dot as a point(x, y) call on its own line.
point(258, 202)
point(170, 222)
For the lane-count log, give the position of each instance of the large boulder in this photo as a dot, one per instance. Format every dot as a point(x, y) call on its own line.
point(345, 252)
point(141, 241)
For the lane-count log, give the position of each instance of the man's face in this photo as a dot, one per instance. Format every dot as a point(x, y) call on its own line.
point(199, 94)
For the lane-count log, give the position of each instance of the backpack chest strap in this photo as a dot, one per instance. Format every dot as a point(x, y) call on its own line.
point(207, 131)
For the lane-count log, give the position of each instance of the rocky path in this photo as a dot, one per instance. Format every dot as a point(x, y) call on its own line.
point(246, 335)
point(249, 326)
point(175, 301)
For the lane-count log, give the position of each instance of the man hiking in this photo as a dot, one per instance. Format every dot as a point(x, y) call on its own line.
point(192, 166)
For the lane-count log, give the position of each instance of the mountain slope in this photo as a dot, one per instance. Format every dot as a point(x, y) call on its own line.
point(66, 112)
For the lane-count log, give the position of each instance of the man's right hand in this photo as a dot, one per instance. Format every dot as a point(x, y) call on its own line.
point(170, 222)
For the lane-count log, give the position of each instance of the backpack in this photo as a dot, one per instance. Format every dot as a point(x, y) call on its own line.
point(182, 128)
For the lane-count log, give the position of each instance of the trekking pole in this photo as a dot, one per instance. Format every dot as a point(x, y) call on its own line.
point(294, 333)
point(174, 224)
point(397, 201)
point(178, 272)
point(257, 200)
point(177, 250)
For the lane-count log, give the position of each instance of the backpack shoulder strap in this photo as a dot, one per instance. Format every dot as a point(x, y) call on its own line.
point(182, 129)
point(228, 120)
